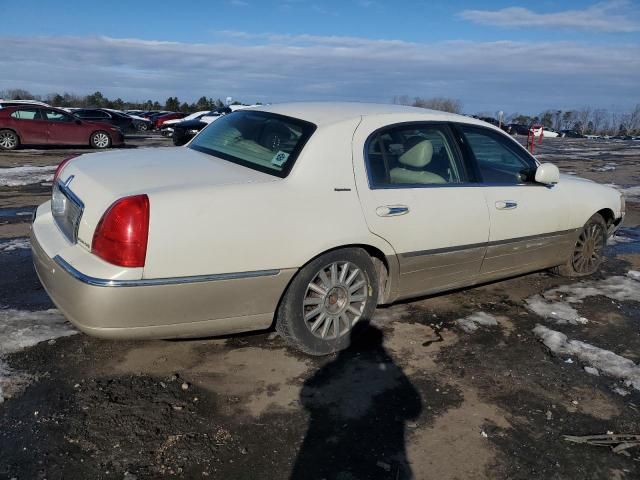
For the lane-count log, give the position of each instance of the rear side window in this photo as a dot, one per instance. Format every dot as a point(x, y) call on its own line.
point(263, 141)
point(55, 116)
point(413, 155)
point(27, 114)
point(498, 158)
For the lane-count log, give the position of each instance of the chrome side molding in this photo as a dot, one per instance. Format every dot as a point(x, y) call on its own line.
point(145, 282)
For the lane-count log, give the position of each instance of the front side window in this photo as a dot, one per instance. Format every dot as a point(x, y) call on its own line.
point(26, 114)
point(413, 155)
point(263, 141)
point(498, 159)
point(55, 116)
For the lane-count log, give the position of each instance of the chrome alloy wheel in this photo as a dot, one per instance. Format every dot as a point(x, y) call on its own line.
point(587, 254)
point(334, 300)
point(8, 140)
point(101, 140)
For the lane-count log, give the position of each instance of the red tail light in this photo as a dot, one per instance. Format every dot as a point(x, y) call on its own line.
point(122, 234)
point(61, 166)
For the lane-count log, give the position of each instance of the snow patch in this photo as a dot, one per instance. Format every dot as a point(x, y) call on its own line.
point(555, 305)
point(20, 329)
point(630, 193)
point(471, 323)
point(618, 239)
point(17, 176)
point(605, 361)
point(616, 288)
point(14, 244)
point(560, 312)
point(605, 168)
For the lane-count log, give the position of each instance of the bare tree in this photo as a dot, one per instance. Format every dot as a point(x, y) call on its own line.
point(599, 119)
point(582, 118)
point(439, 103)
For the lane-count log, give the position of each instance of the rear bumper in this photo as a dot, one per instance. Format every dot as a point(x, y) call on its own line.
point(127, 310)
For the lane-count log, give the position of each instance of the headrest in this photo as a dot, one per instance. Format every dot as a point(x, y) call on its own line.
point(417, 156)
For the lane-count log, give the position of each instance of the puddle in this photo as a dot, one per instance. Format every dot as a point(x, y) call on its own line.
point(625, 241)
point(19, 214)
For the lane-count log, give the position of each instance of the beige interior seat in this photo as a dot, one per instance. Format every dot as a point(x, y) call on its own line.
point(413, 162)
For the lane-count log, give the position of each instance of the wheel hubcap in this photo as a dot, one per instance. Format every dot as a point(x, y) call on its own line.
point(7, 140)
point(588, 252)
point(334, 300)
point(101, 140)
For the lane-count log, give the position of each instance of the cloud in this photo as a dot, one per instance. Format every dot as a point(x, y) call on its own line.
point(611, 16)
point(483, 75)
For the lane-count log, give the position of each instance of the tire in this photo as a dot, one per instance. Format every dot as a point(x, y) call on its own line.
point(100, 139)
point(9, 140)
point(324, 306)
point(142, 127)
point(587, 254)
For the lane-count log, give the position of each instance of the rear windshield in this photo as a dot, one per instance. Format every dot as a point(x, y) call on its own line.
point(263, 141)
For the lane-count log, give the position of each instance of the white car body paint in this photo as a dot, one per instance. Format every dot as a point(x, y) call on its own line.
point(211, 216)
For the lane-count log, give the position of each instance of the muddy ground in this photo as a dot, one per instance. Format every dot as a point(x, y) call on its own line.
point(416, 395)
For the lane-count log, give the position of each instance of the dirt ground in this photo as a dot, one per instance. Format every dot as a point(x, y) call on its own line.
point(417, 396)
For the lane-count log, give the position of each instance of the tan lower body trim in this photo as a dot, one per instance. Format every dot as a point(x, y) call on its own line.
point(162, 311)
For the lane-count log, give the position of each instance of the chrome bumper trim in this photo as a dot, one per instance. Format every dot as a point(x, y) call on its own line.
point(101, 282)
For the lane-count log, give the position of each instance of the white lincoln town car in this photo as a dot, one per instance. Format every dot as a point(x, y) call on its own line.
point(305, 217)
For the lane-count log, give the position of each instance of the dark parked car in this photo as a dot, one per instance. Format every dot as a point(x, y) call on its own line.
point(185, 131)
point(571, 134)
point(36, 125)
point(120, 120)
point(517, 128)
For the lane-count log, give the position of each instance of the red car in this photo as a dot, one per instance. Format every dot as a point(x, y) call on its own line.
point(38, 125)
point(169, 116)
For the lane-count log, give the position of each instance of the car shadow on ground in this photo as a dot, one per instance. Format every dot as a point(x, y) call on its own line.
point(358, 406)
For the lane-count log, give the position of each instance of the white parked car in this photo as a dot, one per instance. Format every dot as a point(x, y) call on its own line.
point(549, 133)
point(306, 216)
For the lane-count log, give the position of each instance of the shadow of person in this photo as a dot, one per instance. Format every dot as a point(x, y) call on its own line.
point(358, 406)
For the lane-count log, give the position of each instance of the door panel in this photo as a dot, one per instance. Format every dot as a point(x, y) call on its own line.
point(30, 126)
point(528, 220)
point(532, 235)
point(63, 129)
point(438, 230)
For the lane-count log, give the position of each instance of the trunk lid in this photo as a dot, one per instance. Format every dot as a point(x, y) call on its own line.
point(99, 179)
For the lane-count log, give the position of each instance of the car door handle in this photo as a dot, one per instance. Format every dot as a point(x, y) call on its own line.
point(392, 210)
point(506, 205)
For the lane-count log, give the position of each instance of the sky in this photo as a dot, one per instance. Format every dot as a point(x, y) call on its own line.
point(493, 55)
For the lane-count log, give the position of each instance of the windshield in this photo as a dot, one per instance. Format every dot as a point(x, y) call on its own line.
point(263, 141)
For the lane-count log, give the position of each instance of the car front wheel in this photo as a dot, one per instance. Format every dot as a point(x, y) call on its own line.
point(587, 254)
point(326, 300)
point(100, 139)
point(8, 140)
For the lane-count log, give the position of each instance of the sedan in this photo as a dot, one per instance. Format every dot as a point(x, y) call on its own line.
point(159, 120)
point(36, 125)
point(305, 217)
point(117, 119)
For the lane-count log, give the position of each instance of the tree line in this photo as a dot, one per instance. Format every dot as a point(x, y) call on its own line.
point(586, 120)
point(98, 100)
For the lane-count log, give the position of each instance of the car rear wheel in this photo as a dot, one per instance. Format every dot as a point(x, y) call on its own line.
point(587, 254)
point(142, 127)
point(326, 300)
point(100, 139)
point(9, 140)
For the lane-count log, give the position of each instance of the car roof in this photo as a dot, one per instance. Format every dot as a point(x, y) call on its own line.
point(327, 113)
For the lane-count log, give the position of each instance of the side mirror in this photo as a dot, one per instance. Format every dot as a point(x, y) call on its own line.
point(547, 174)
